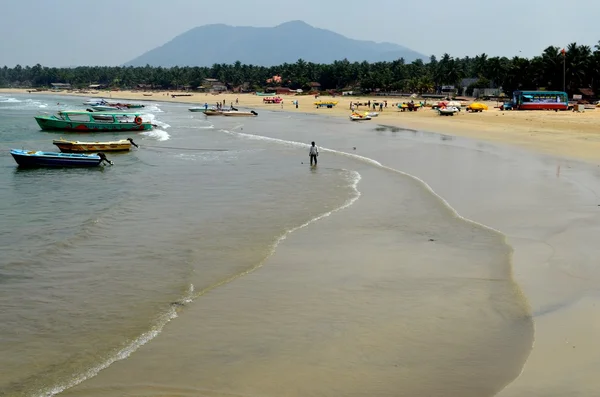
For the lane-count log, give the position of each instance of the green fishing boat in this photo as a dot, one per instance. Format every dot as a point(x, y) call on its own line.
point(80, 121)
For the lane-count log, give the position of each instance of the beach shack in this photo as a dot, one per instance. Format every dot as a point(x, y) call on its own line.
point(213, 85)
point(540, 100)
point(60, 86)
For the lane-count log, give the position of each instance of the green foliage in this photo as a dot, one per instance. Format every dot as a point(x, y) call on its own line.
point(580, 65)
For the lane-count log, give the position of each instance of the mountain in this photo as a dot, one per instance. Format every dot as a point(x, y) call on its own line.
point(210, 44)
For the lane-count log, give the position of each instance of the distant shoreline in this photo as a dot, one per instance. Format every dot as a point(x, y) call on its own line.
point(566, 134)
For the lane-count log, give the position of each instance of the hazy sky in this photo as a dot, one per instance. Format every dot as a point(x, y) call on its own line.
point(111, 32)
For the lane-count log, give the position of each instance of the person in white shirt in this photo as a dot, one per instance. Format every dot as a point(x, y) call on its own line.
point(313, 153)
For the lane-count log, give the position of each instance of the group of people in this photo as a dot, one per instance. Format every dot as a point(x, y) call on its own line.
point(381, 105)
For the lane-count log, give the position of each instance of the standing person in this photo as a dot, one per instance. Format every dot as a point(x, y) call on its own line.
point(313, 153)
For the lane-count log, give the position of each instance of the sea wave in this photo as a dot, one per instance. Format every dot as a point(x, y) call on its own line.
point(126, 350)
point(9, 100)
point(153, 108)
point(158, 134)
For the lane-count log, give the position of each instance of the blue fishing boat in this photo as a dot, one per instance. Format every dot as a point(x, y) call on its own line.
point(32, 158)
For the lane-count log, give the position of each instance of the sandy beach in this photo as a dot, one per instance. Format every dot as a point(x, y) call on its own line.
point(567, 134)
point(530, 177)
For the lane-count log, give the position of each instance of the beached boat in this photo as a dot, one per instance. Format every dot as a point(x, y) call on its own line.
point(411, 107)
point(448, 111)
point(93, 122)
point(359, 117)
point(477, 107)
point(325, 104)
point(121, 145)
point(266, 93)
point(235, 113)
point(33, 158)
point(372, 114)
point(147, 94)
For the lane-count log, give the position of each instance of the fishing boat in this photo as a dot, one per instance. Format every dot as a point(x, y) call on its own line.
point(147, 94)
point(121, 145)
point(265, 93)
point(90, 102)
point(359, 117)
point(213, 112)
point(201, 109)
point(103, 105)
point(372, 114)
point(106, 108)
point(235, 113)
point(80, 121)
point(32, 158)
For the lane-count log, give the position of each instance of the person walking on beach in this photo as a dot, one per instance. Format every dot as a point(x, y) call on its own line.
point(313, 153)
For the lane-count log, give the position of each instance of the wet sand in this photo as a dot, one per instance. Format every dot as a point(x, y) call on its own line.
point(549, 209)
point(393, 295)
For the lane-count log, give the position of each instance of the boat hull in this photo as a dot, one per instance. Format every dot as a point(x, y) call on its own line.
point(52, 124)
point(82, 147)
point(357, 118)
point(239, 114)
point(47, 159)
point(104, 108)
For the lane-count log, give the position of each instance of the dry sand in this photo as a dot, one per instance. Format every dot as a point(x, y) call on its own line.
point(567, 134)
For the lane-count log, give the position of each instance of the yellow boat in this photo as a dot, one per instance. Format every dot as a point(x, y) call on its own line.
point(121, 145)
point(477, 107)
point(327, 104)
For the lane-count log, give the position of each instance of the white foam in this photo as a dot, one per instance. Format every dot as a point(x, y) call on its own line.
point(124, 352)
point(152, 107)
point(152, 118)
point(158, 134)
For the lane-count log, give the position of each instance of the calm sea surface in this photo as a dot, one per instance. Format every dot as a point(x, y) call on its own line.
point(97, 264)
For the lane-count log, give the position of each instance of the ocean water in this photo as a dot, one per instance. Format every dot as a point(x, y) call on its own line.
point(214, 261)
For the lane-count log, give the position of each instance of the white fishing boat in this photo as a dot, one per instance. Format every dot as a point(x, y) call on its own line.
point(105, 108)
point(201, 109)
point(448, 111)
point(372, 114)
point(91, 102)
point(236, 113)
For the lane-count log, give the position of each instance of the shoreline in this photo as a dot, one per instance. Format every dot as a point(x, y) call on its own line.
point(565, 134)
point(548, 321)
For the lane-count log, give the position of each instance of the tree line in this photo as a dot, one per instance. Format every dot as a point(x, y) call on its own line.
point(578, 66)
